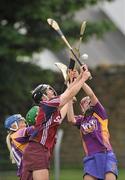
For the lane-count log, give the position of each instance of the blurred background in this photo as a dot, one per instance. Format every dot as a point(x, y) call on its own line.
point(29, 47)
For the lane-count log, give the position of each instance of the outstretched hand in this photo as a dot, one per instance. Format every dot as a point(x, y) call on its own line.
point(73, 74)
point(85, 72)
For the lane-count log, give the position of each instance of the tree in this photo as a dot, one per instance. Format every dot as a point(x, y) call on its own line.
point(24, 29)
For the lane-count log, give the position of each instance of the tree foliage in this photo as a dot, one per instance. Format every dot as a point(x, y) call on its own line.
point(17, 81)
point(24, 28)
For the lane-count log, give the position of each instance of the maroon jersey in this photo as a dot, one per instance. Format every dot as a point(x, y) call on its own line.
point(47, 123)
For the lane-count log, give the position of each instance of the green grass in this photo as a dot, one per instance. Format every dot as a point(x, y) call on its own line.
point(76, 174)
point(65, 174)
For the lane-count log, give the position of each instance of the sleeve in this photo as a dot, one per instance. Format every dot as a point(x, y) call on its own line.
point(29, 131)
point(24, 134)
point(78, 121)
point(100, 110)
point(50, 106)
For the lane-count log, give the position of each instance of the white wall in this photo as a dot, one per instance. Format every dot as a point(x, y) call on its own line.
point(46, 59)
point(115, 10)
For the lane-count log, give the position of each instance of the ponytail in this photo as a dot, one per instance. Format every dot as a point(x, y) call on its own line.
point(8, 142)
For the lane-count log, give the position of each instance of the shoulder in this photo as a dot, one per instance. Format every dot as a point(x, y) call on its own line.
point(100, 110)
point(79, 119)
point(52, 102)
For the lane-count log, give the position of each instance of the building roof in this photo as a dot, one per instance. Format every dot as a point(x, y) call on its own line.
point(109, 50)
point(106, 51)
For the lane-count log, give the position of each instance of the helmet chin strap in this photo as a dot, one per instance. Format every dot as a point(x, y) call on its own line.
point(45, 96)
point(83, 111)
point(89, 111)
point(16, 128)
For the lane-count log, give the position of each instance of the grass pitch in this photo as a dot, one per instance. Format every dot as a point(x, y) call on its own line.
point(65, 174)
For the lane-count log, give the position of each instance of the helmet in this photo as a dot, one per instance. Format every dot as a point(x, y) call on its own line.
point(31, 114)
point(12, 119)
point(38, 92)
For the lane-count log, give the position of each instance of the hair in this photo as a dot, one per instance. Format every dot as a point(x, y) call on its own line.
point(8, 142)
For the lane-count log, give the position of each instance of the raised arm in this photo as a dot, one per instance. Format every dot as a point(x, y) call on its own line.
point(70, 113)
point(63, 111)
point(90, 93)
point(72, 90)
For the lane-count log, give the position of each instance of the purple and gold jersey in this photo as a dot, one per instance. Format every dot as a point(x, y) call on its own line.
point(19, 140)
point(94, 130)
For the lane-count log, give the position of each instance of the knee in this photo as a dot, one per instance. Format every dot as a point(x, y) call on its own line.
point(110, 176)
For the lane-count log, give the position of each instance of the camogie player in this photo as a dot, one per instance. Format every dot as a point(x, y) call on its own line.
point(17, 138)
point(52, 110)
point(100, 161)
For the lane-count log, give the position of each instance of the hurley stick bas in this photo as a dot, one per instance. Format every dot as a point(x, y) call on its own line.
point(55, 26)
point(64, 70)
point(76, 50)
point(82, 30)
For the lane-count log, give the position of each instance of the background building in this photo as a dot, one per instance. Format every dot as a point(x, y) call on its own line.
point(106, 51)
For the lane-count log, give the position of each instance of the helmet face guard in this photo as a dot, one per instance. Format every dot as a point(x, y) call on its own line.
point(82, 104)
point(51, 88)
point(87, 98)
point(14, 119)
point(39, 91)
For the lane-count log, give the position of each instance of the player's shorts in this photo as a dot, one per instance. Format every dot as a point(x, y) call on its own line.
point(36, 157)
point(99, 164)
